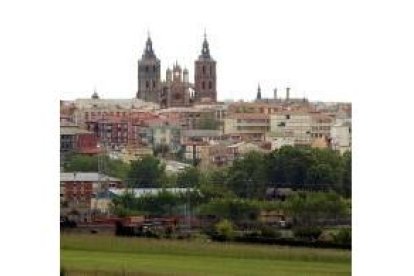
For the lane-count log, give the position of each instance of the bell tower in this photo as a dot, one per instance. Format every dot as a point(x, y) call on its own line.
point(205, 75)
point(149, 74)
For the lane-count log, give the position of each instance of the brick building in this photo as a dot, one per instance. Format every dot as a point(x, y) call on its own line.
point(76, 140)
point(77, 188)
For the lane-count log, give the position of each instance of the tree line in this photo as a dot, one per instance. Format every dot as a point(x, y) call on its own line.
point(299, 168)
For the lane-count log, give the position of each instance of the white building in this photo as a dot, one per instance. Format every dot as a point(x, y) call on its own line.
point(278, 142)
point(321, 125)
point(341, 135)
point(291, 125)
point(249, 126)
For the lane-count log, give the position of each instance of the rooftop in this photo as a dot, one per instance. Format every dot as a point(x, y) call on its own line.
point(249, 116)
point(72, 130)
point(86, 176)
point(201, 132)
point(139, 192)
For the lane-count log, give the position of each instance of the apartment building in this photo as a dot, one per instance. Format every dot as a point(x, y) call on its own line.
point(321, 125)
point(290, 126)
point(341, 137)
point(77, 188)
point(249, 126)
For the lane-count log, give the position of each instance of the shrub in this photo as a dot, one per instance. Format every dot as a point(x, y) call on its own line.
point(344, 236)
point(326, 236)
point(225, 229)
point(307, 233)
point(269, 232)
point(234, 209)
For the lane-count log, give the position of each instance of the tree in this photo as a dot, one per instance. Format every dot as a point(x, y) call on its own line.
point(299, 166)
point(308, 208)
point(235, 209)
point(146, 173)
point(330, 166)
point(225, 229)
point(247, 176)
point(123, 205)
point(116, 168)
point(163, 203)
point(81, 163)
point(347, 174)
point(85, 163)
point(213, 184)
point(190, 177)
point(288, 165)
point(320, 174)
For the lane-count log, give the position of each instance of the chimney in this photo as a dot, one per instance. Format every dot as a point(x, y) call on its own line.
point(185, 76)
point(275, 93)
point(287, 93)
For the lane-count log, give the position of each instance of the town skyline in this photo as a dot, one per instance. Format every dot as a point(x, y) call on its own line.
point(272, 51)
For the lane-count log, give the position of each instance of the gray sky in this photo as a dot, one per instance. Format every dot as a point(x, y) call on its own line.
point(309, 46)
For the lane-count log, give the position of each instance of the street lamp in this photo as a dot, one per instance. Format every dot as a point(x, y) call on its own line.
point(99, 178)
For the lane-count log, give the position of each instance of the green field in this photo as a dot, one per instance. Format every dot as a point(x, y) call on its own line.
point(100, 254)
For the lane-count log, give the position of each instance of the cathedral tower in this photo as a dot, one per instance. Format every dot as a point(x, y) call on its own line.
point(149, 74)
point(205, 75)
point(259, 93)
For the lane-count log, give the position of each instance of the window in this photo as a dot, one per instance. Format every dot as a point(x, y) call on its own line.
point(154, 68)
point(204, 69)
point(211, 70)
point(288, 116)
point(203, 85)
point(147, 84)
point(153, 83)
point(210, 85)
point(146, 68)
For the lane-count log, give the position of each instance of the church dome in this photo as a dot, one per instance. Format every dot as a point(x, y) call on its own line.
point(95, 95)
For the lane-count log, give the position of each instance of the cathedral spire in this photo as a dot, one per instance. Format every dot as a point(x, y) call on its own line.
point(259, 93)
point(205, 51)
point(149, 52)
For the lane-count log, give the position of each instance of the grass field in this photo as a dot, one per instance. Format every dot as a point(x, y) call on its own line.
point(100, 254)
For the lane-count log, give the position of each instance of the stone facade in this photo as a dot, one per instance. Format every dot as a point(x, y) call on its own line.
point(149, 75)
point(176, 90)
point(205, 76)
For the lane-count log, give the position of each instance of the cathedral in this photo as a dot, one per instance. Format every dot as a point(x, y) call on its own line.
point(176, 90)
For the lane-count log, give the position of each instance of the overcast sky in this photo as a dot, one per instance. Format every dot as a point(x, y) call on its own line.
point(310, 46)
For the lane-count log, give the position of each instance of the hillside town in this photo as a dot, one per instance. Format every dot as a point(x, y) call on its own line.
point(174, 138)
